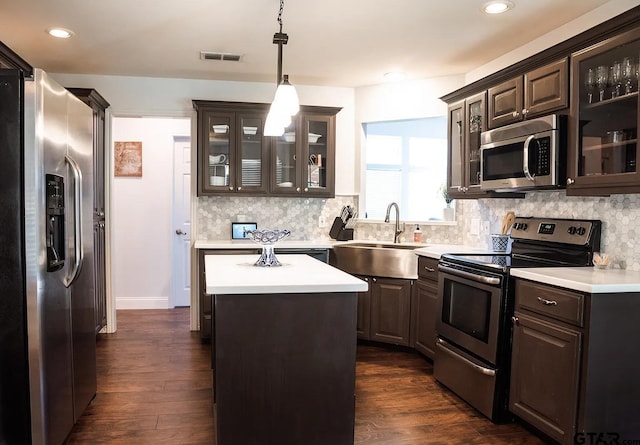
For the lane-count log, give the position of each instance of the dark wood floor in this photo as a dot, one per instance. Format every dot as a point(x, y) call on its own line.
point(154, 387)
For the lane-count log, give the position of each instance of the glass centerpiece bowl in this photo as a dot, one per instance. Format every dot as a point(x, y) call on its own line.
point(267, 238)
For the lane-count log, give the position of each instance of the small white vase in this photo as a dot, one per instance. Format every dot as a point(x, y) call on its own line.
point(448, 213)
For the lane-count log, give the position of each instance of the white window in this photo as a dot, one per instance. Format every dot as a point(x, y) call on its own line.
point(406, 163)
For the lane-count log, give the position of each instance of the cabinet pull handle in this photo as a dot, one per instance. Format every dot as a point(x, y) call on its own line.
point(429, 269)
point(515, 321)
point(547, 302)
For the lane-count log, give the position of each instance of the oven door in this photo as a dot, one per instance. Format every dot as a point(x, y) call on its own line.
point(520, 163)
point(469, 303)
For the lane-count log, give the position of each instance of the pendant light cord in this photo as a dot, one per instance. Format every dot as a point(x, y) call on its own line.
point(280, 14)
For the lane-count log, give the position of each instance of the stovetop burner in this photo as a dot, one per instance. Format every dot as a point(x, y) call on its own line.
point(540, 242)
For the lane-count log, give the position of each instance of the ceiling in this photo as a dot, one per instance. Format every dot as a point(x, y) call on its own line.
point(346, 43)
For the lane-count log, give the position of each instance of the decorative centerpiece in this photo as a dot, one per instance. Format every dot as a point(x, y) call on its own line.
point(267, 238)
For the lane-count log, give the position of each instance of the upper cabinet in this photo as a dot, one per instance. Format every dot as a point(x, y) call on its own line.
point(232, 151)
point(235, 157)
point(603, 144)
point(303, 158)
point(536, 93)
point(466, 120)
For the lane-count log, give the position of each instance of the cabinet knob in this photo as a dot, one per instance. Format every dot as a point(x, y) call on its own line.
point(366, 278)
point(570, 181)
point(231, 188)
point(525, 111)
point(297, 189)
point(515, 114)
point(306, 189)
point(515, 321)
point(240, 188)
point(375, 280)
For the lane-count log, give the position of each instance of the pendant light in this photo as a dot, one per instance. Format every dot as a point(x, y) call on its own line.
point(285, 104)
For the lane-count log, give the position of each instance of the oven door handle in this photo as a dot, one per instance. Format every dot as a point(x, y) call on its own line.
point(471, 276)
point(481, 369)
point(525, 158)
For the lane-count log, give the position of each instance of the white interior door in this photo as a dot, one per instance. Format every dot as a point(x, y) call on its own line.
point(181, 222)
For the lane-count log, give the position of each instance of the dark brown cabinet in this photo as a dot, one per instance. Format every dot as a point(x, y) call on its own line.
point(232, 151)
point(99, 106)
point(575, 356)
point(537, 92)
point(603, 147)
point(235, 157)
point(424, 307)
point(303, 158)
point(467, 119)
point(390, 310)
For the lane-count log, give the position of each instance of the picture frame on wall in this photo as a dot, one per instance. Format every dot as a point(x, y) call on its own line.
point(127, 160)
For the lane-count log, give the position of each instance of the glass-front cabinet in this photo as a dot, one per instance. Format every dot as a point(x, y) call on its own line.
point(603, 147)
point(467, 119)
point(235, 157)
point(303, 158)
point(232, 150)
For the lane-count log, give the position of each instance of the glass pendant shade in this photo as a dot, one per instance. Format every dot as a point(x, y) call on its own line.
point(284, 106)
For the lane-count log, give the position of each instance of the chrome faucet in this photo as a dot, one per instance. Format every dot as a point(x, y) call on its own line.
point(396, 236)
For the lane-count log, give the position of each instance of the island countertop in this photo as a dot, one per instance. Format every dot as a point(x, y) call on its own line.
point(236, 274)
point(585, 279)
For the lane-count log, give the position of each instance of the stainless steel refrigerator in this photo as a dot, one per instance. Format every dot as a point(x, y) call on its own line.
point(47, 328)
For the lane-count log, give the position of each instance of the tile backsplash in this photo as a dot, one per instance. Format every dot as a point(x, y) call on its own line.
point(619, 215)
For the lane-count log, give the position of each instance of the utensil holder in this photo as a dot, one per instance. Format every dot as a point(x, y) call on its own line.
point(499, 243)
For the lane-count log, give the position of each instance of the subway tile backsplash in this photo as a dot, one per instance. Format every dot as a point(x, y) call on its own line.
point(619, 214)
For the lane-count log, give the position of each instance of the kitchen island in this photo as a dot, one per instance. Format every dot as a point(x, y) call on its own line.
point(283, 350)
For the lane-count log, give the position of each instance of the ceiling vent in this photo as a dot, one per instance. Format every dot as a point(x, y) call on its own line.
point(206, 55)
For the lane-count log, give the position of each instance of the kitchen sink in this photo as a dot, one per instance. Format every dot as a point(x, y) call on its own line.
point(377, 259)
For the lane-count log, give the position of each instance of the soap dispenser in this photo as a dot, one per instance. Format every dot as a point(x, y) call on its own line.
point(417, 235)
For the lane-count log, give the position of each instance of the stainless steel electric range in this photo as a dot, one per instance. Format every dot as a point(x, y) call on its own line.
point(476, 300)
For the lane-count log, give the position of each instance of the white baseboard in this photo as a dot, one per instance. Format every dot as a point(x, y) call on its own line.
point(142, 303)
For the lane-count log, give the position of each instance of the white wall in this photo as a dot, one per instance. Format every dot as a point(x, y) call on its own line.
point(141, 215)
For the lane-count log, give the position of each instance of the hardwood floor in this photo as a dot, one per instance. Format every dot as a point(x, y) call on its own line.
point(154, 387)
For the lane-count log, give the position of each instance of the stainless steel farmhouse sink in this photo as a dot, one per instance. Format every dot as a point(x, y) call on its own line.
point(377, 259)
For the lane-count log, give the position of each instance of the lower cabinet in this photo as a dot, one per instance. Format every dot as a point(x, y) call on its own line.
point(545, 375)
point(384, 311)
point(575, 362)
point(423, 325)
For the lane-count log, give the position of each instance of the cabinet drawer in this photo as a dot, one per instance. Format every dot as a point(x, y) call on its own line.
point(560, 304)
point(428, 268)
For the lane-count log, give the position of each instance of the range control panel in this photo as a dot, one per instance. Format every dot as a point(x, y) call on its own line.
point(566, 231)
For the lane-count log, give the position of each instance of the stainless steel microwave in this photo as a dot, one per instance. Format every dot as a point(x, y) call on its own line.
point(526, 155)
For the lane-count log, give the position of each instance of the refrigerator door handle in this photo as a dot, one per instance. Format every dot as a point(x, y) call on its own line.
point(77, 220)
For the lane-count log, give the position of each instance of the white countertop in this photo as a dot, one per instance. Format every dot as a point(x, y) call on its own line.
point(585, 279)
point(248, 244)
point(436, 250)
point(236, 274)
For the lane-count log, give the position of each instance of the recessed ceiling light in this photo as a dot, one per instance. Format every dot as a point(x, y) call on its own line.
point(60, 33)
point(497, 7)
point(394, 75)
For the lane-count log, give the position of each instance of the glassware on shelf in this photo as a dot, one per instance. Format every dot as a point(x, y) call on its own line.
point(267, 238)
point(616, 79)
point(629, 74)
point(602, 78)
point(590, 83)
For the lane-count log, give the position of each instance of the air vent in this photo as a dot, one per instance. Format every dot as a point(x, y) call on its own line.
point(206, 55)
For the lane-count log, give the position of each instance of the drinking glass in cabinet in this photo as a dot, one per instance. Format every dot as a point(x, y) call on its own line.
point(616, 78)
point(628, 74)
point(590, 83)
point(602, 78)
